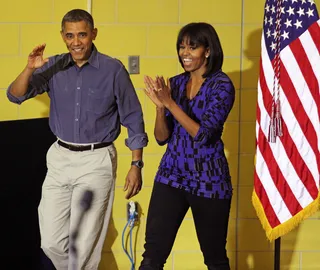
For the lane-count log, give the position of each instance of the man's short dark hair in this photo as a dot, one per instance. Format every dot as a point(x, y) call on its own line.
point(203, 34)
point(78, 15)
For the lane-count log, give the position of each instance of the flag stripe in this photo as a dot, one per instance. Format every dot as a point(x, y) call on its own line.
point(312, 51)
point(300, 114)
point(288, 141)
point(258, 187)
point(314, 31)
point(298, 107)
point(288, 114)
point(286, 195)
point(268, 187)
point(270, 155)
point(269, 212)
point(301, 100)
point(306, 72)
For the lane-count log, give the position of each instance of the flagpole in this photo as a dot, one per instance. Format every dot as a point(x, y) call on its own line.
point(277, 248)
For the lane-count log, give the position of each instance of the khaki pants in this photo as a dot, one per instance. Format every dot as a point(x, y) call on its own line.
point(69, 175)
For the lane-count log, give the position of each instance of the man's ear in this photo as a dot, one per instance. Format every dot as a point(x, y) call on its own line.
point(94, 33)
point(61, 33)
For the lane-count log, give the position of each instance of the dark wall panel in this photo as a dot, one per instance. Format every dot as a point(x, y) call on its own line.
point(23, 144)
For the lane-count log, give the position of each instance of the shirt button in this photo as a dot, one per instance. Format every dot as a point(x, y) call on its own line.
point(78, 88)
point(77, 104)
point(77, 119)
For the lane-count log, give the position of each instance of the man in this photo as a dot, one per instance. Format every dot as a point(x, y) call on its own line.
point(91, 95)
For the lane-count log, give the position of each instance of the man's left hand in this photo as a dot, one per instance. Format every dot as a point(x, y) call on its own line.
point(133, 182)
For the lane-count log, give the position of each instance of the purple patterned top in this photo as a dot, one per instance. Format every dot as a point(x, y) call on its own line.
point(198, 165)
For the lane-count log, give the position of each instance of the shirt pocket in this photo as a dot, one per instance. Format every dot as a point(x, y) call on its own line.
point(98, 101)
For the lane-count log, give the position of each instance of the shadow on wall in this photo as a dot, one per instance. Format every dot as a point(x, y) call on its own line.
point(253, 249)
point(108, 260)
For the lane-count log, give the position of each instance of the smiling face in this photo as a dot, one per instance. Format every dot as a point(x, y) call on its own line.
point(78, 37)
point(193, 57)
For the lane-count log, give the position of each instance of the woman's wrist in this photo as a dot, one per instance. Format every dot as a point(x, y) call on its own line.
point(160, 108)
point(170, 104)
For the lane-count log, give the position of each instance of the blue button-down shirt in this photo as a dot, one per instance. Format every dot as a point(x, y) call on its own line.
point(89, 103)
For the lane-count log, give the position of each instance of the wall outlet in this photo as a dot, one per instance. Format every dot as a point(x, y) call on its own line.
point(134, 64)
point(132, 209)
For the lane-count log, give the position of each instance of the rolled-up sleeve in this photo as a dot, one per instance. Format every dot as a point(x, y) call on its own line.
point(130, 111)
point(13, 99)
point(169, 120)
point(38, 84)
point(220, 104)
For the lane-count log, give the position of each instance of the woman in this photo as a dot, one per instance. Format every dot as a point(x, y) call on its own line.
point(192, 108)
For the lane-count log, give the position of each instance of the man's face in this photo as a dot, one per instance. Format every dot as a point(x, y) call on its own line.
point(78, 37)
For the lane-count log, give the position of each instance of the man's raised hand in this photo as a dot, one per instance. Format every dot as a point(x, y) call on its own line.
point(35, 58)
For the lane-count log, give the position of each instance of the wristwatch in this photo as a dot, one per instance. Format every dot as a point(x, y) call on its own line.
point(138, 163)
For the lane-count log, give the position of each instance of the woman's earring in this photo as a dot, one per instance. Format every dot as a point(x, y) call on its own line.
point(207, 56)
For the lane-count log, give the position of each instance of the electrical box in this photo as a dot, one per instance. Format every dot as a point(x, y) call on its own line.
point(134, 64)
point(132, 209)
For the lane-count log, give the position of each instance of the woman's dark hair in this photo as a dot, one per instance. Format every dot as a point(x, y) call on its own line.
point(203, 34)
point(78, 15)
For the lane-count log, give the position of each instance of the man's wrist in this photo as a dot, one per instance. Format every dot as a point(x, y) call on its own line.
point(138, 163)
point(29, 70)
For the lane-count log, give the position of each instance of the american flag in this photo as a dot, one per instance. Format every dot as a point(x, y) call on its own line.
point(287, 164)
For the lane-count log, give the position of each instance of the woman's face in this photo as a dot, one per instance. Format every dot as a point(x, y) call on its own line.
point(193, 57)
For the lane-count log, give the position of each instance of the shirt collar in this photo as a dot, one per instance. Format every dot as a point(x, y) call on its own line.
point(93, 59)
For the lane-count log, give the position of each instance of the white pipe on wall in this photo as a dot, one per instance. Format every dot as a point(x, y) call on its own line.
point(89, 6)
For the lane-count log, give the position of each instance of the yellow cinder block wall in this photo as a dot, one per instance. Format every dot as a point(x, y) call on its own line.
point(149, 28)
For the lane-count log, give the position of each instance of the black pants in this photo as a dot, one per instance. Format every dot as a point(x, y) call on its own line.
point(167, 209)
